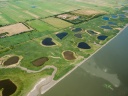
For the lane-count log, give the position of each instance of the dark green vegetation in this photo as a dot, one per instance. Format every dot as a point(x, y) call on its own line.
point(3, 34)
point(29, 44)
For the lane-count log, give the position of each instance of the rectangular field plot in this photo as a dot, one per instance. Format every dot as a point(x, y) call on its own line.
point(3, 20)
point(86, 12)
point(41, 26)
point(14, 29)
point(58, 23)
point(34, 15)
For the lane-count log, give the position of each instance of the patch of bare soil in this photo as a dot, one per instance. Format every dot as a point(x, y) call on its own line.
point(69, 55)
point(86, 12)
point(67, 16)
point(40, 61)
point(15, 29)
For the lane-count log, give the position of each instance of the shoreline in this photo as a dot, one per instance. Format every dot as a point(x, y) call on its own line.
point(42, 82)
point(52, 84)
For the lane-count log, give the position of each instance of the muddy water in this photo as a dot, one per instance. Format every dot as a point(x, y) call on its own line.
point(104, 74)
point(11, 61)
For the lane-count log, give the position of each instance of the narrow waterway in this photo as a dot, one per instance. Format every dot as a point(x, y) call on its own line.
point(104, 74)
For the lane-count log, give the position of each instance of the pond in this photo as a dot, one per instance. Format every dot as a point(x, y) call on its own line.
point(91, 32)
point(33, 6)
point(102, 37)
point(11, 61)
point(122, 19)
point(105, 18)
point(112, 23)
point(77, 30)
point(114, 16)
point(8, 87)
point(122, 15)
point(62, 35)
point(126, 11)
point(83, 45)
point(40, 61)
point(106, 27)
point(69, 55)
point(100, 74)
point(48, 42)
point(78, 35)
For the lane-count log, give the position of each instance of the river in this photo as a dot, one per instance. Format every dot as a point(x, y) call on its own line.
point(104, 74)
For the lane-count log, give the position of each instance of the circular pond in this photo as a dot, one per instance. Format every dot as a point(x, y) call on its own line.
point(105, 18)
point(11, 61)
point(77, 30)
point(40, 61)
point(78, 35)
point(102, 37)
point(69, 55)
point(106, 27)
point(8, 87)
point(62, 35)
point(83, 45)
point(91, 32)
point(48, 42)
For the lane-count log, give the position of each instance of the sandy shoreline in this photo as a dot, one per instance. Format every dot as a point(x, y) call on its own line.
point(44, 87)
point(43, 82)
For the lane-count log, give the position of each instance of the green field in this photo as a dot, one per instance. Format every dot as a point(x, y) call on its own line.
point(41, 26)
point(29, 44)
point(12, 11)
point(58, 23)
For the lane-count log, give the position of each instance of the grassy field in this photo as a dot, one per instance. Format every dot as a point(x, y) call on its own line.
point(13, 11)
point(21, 81)
point(29, 44)
point(41, 26)
point(58, 23)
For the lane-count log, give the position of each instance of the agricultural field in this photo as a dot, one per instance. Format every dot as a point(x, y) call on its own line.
point(58, 23)
point(40, 26)
point(80, 15)
point(30, 9)
point(34, 37)
point(15, 29)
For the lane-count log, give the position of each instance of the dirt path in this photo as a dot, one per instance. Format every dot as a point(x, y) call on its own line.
point(32, 71)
